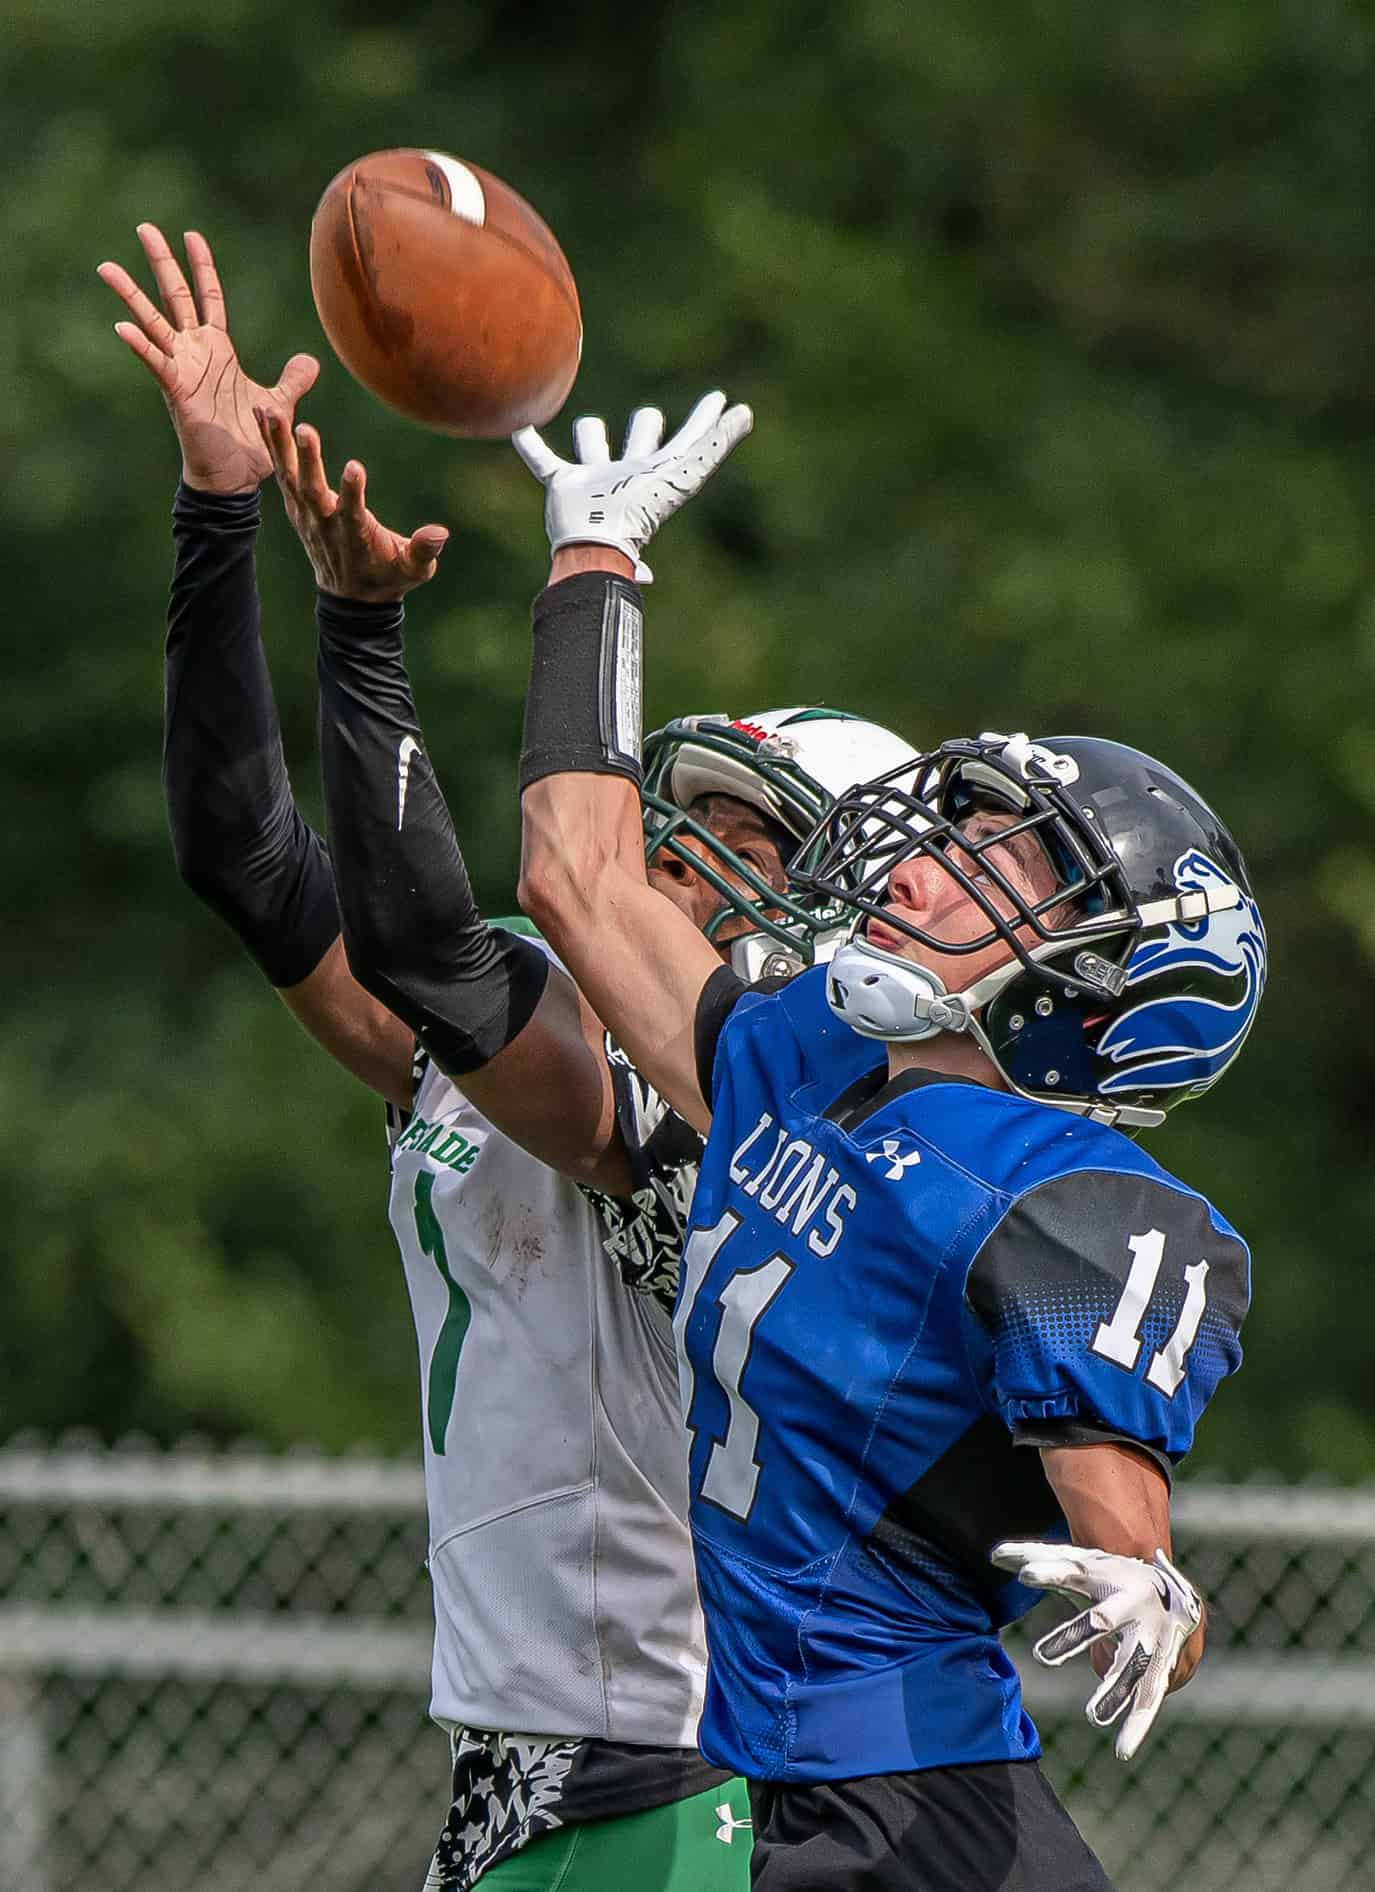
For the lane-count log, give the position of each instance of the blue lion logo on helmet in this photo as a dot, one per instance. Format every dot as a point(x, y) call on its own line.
point(1182, 1038)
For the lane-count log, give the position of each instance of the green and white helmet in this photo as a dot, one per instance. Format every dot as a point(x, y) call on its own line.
point(790, 764)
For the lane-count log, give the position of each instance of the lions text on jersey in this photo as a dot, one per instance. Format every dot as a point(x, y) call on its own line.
point(893, 1291)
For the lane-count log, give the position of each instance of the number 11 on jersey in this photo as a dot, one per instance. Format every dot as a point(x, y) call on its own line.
point(1119, 1339)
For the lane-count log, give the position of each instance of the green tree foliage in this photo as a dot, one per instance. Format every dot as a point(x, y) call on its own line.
point(1056, 323)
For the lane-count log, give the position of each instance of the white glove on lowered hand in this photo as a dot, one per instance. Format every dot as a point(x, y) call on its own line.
point(1149, 1607)
point(593, 499)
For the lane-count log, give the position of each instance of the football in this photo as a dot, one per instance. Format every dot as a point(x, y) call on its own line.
point(445, 294)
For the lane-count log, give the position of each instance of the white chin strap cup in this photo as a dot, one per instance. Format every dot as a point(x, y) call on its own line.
point(880, 995)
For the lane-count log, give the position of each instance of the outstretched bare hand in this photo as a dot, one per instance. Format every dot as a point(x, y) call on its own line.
point(351, 552)
point(188, 352)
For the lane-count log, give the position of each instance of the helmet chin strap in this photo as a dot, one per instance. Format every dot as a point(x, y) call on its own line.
point(891, 997)
point(880, 995)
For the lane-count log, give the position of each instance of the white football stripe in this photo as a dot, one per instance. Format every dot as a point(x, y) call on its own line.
point(465, 192)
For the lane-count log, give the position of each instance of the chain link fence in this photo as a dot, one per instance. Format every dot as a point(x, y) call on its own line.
point(213, 1674)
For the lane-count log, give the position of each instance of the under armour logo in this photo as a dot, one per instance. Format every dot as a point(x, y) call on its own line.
point(729, 1826)
point(891, 1152)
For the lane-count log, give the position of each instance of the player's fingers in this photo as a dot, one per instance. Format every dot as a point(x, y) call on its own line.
point(590, 444)
point(706, 414)
point(144, 311)
point(1121, 1682)
point(1010, 1553)
point(541, 459)
point(710, 449)
point(1069, 1639)
point(1116, 1610)
point(176, 295)
point(315, 487)
point(353, 492)
point(159, 364)
point(1043, 1566)
point(737, 423)
point(1067, 1579)
point(281, 447)
point(643, 433)
point(1145, 1707)
point(205, 280)
point(423, 550)
point(297, 378)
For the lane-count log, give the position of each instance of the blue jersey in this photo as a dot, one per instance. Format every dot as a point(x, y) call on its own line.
point(887, 1302)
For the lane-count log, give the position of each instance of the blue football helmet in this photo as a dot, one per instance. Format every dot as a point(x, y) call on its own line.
point(1129, 987)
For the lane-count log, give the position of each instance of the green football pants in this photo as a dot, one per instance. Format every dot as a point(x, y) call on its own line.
point(697, 1845)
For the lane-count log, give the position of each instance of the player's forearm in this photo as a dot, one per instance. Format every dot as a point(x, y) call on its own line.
point(581, 839)
point(239, 841)
point(640, 963)
point(1116, 1499)
point(414, 935)
point(1113, 1498)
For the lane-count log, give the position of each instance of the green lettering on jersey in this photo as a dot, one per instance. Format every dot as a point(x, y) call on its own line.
point(453, 1145)
point(450, 1147)
point(443, 1376)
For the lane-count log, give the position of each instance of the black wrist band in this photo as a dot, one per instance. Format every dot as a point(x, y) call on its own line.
point(365, 616)
point(582, 711)
point(193, 507)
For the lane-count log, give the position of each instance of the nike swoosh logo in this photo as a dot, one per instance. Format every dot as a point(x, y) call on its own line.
point(405, 749)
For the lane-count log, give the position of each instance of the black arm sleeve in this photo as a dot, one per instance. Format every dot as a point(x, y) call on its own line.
point(413, 933)
point(718, 998)
point(239, 841)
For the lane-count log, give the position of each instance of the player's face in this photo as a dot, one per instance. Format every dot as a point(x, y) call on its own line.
point(740, 828)
point(923, 893)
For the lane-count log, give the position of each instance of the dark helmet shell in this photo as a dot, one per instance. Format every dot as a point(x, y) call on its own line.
point(1134, 982)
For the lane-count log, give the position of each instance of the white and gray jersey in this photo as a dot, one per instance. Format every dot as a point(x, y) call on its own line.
point(555, 1461)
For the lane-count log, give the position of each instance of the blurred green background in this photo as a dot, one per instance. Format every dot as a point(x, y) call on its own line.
point(1056, 320)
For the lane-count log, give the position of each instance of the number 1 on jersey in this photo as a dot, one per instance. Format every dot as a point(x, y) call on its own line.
point(443, 1375)
point(732, 1469)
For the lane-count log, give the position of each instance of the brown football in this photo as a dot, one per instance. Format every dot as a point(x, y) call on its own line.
point(445, 294)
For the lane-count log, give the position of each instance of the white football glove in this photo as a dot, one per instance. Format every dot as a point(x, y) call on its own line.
point(1149, 1607)
point(593, 499)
